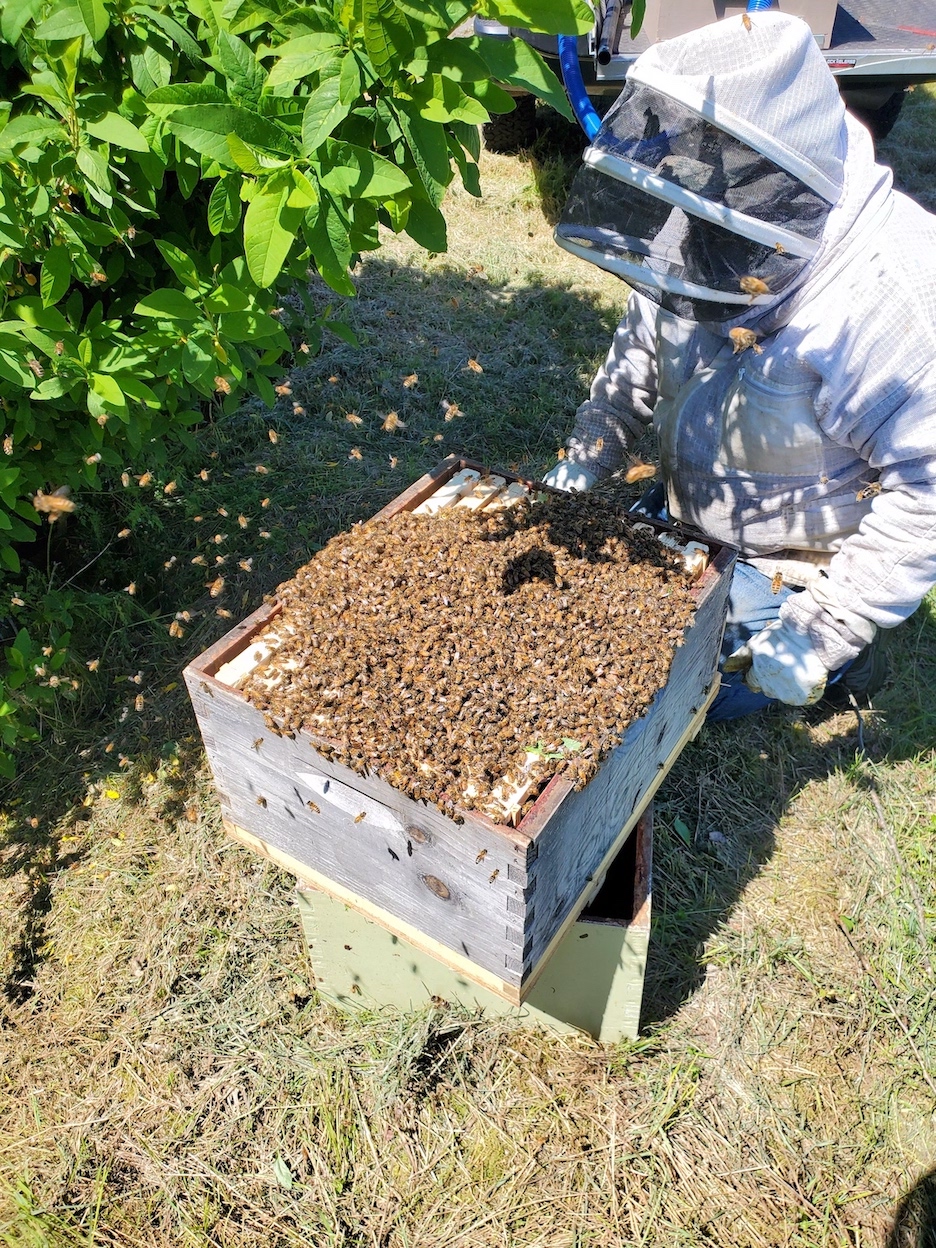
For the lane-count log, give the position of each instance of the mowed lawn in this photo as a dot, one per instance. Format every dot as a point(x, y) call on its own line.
point(168, 1077)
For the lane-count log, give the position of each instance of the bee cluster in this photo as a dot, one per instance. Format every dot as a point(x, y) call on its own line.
point(456, 654)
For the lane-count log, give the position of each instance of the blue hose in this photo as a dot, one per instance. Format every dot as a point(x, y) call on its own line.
point(575, 87)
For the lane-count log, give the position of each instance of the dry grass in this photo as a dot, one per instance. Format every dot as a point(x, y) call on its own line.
point(169, 1077)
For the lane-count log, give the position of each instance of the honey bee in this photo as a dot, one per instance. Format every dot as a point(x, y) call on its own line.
point(754, 286)
point(262, 801)
point(206, 688)
point(871, 489)
point(392, 423)
point(262, 469)
point(139, 702)
point(493, 876)
point(599, 445)
point(776, 583)
point(474, 366)
point(780, 249)
point(176, 630)
point(353, 418)
point(481, 857)
point(257, 743)
point(215, 587)
point(451, 410)
point(411, 381)
point(170, 487)
point(273, 436)
point(746, 21)
point(312, 806)
point(744, 338)
point(205, 474)
point(145, 480)
point(264, 502)
point(355, 453)
point(640, 472)
point(362, 815)
point(54, 505)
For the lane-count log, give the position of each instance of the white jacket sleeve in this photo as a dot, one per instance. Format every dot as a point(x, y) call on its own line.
point(622, 395)
point(881, 573)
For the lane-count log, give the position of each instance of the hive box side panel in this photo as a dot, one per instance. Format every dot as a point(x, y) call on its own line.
point(463, 885)
point(573, 841)
point(593, 983)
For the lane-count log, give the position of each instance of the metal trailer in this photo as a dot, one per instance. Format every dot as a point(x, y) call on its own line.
point(875, 48)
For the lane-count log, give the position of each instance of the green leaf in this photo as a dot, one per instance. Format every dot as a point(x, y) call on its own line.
point(55, 278)
point(171, 28)
point(514, 62)
point(426, 225)
point(387, 38)
point(227, 298)
point(429, 149)
point(30, 128)
point(549, 17)
point(95, 18)
point(440, 100)
point(224, 209)
point(457, 59)
point(298, 58)
point(327, 237)
point(110, 393)
point(183, 266)
point(168, 304)
point(113, 128)
point(65, 23)
point(282, 1174)
point(681, 829)
point(262, 132)
point(303, 194)
point(239, 65)
point(14, 16)
point(270, 227)
point(184, 93)
point(205, 127)
point(359, 174)
point(323, 112)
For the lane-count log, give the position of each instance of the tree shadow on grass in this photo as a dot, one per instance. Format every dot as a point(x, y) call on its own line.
point(537, 343)
point(731, 788)
point(915, 1218)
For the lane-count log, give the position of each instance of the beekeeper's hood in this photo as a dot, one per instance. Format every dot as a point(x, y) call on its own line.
point(714, 180)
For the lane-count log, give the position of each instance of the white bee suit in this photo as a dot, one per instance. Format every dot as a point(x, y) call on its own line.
point(779, 451)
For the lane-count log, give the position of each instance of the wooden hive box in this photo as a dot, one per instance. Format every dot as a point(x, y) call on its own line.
point(593, 983)
point(491, 901)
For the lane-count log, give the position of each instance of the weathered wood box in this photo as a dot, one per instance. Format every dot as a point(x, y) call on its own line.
point(593, 983)
point(490, 901)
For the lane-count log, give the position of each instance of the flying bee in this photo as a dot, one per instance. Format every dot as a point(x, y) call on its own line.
point(55, 504)
point(871, 488)
point(777, 583)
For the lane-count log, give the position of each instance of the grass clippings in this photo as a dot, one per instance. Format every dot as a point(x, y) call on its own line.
point(169, 1076)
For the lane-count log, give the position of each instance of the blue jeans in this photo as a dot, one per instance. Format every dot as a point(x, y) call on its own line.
point(752, 604)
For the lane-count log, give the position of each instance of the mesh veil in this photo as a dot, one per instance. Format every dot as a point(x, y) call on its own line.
point(639, 208)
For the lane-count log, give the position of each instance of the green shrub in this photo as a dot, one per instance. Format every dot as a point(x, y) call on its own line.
point(167, 171)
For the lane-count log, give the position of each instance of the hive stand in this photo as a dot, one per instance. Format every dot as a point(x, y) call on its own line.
point(593, 983)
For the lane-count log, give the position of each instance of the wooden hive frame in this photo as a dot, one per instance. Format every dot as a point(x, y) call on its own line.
point(488, 900)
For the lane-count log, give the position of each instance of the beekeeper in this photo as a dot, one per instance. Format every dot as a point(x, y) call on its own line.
point(780, 339)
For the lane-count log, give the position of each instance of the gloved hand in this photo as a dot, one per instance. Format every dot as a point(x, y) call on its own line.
point(566, 476)
point(781, 663)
